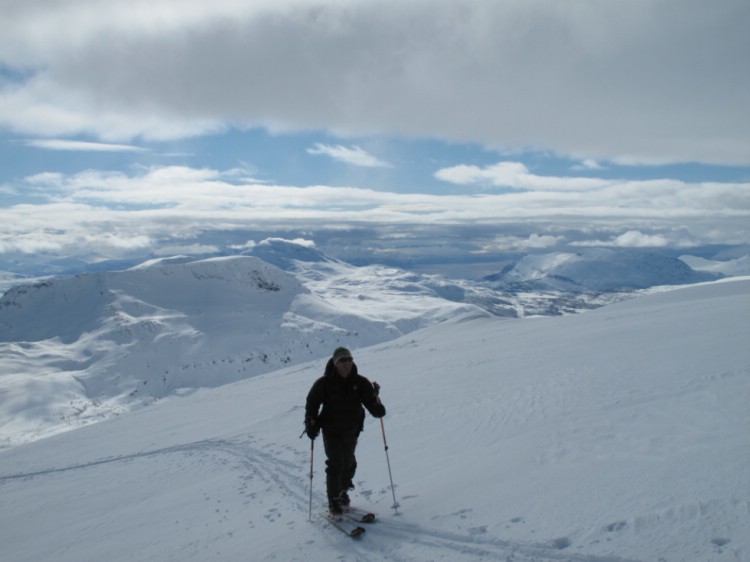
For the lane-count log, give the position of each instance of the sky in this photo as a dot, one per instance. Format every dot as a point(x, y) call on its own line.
point(162, 126)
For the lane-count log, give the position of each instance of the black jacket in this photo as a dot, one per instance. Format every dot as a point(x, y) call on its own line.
point(342, 400)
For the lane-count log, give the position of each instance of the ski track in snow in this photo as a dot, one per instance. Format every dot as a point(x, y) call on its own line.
point(436, 545)
point(392, 537)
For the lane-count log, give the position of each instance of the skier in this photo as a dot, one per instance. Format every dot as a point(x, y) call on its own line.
point(342, 392)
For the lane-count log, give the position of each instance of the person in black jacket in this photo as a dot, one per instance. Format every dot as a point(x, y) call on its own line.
point(342, 392)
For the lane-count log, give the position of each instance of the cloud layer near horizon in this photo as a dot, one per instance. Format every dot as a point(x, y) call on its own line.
point(629, 82)
point(117, 214)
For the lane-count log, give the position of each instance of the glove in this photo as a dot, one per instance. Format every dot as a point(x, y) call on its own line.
point(311, 429)
point(378, 409)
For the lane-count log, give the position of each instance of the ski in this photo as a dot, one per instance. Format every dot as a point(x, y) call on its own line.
point(359, 515)
point(352, 531)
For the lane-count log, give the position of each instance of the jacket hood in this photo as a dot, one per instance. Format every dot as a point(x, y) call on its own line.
point(331, 369)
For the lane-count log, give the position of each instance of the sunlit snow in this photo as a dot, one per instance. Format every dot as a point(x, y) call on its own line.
point(618, 434)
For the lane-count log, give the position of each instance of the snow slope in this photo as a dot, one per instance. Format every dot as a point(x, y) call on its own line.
point(733, 267)
point(75, 350)
point(620, 434)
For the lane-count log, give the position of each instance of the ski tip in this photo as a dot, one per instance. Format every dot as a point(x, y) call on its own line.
point(356, 532)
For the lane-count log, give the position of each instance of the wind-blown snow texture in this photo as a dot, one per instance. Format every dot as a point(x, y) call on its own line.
point(619, 434)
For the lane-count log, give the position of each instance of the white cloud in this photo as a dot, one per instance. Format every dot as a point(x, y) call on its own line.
point(117, 213)
point(298, 241)
point(616, 81)
point(588, 164)
point(249, 245)
point(70, 145)
point(634, 239)
point(515, 175)
point(354, 155)
point(521, 244)
point(122, 242)
point(30, 245)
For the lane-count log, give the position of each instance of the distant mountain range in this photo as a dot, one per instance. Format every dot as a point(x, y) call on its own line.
point(597, 270)
point(103, 342)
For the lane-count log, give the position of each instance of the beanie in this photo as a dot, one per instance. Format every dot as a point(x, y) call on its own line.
point(340, 353)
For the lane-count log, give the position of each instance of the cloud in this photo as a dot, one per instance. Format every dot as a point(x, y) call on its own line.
point(616, 81)
point(298, 241)
point(248, 245)
point(117, 214)
point(588, 164)
point(61, 144)
point(518, 243)
point(634, 239)
point(515, 175)
point(354, 155)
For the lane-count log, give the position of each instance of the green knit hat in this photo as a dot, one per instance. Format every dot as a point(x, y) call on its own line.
point(340, 353)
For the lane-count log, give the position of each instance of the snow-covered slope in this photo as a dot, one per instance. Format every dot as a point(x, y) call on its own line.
point(78, 349)
point(616, 435)
point(111, 341)
point(382, 288)
point(598, 270)
point(732, 267)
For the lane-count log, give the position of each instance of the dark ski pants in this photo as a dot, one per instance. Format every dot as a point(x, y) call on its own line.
point(341, 464)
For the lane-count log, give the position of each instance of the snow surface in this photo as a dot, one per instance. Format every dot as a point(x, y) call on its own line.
point(733, 267)
point(600, 269)
point(76, 350)
point(620, 434)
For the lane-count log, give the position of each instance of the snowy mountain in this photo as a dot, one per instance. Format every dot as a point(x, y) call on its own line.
point(287, 254)
point(382, 284)
point(97, 344)
point(620, 434)
point(597, 270)
point(112, 341)
point(733, 267)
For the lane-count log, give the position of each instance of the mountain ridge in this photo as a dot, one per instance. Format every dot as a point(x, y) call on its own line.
point(597, 270)
point(111, 341)
point(114, 341)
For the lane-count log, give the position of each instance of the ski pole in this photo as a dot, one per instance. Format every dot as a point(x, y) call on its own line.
point(312, 449)
point(388, 460)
